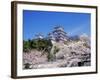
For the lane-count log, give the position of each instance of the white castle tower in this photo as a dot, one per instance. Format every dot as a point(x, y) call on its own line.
point(58, 34)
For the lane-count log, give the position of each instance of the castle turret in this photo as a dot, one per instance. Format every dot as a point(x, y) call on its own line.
point(39, 36)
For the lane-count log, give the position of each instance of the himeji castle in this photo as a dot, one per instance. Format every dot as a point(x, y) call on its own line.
point(58, 34)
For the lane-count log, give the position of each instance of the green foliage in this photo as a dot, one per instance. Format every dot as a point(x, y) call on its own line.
point(86, 45)
point(33, 44)
point(50, 57)
point(56, 49)
point(39, 44)
point(26, 46)
point(66, 42)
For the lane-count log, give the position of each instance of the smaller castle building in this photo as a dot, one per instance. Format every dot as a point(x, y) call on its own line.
point(39, 36)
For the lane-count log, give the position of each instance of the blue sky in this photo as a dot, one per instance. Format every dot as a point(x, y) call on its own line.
point(44, 21)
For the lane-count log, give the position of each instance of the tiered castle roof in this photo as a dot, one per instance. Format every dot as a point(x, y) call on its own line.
point(58, 34)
